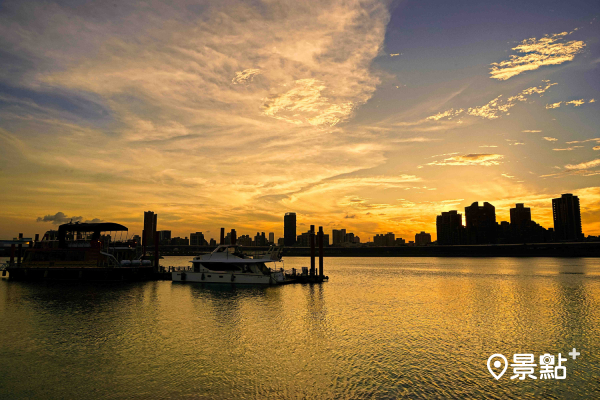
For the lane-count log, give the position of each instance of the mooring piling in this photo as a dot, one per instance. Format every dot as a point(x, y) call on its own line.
point(156, 257)
point(12, 254)
point(312, 250)
point(320, 240)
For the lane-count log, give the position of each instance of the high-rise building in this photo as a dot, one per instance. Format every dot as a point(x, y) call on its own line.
point(150, 222)
point(481, 223)
point(339, 236)
point(520, 216)
point(289, 229)
point(520, 224)
point(244, 240)
point(260, 239)
point(177, 241)
point(389, 239)
point(197, 239)
point(449, 228)
point(164, 237)
point(421, 239)
point(271, 238)
point(567, 218)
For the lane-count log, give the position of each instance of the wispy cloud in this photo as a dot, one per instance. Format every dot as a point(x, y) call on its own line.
point(535, 53)
point(597, 140)
point(584, 165)
point(471, 159)
point(449, 114)
point(531, 131)
point(496, 107)
point(419, 139)
point(245, 76)
point(587, 168)
point(575, 103)
point(568, 148)
point(550, 139)
point(306, 103)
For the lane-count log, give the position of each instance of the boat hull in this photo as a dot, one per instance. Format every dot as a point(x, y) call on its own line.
point(85, 274)
point(225, 277)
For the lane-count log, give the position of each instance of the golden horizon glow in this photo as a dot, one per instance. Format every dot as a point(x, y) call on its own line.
point(230, 115)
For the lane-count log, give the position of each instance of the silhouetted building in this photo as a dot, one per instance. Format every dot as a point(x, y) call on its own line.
point(504, 233)
point(567, 218)
point(197, 239)
point(177, 241)
point(481, 223)
point(422, 239)
point(303, 240)
point(520, 216)
point(150, 222)
point(260, 239)
point(289, 229)
point(212, 243)
point(244, 240)
point(271, 238)
point(338, 236)
point(389, 239)
point(449, 228)
point(137, 239)
point(343, 238)
point(164, 237)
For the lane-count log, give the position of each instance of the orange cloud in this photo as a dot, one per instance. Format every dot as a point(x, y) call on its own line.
point(535, 53)
point(584, 165)
point(496, 107)
point(471, 159)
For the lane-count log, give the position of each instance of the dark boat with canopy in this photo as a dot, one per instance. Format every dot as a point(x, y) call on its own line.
point(87, 251)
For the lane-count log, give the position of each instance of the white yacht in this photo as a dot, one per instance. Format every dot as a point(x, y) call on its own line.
point(228, 264)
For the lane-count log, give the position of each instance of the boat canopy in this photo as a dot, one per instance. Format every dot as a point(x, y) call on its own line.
point(95, 228)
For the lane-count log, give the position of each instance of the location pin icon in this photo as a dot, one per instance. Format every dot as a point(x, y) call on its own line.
point(497, 364)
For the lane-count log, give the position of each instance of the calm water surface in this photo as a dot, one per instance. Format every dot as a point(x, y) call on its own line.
point(380, 328)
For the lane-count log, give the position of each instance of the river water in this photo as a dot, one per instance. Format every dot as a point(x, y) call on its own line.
point(380, 328)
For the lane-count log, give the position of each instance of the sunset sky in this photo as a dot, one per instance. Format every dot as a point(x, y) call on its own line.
point(364, 115)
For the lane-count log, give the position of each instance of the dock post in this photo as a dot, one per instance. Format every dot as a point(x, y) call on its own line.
point(320, 239)
point(312, 250)
point(222, 241)
point(37, 237)
point(19, 250)
point(156, 256)
point(12, 254)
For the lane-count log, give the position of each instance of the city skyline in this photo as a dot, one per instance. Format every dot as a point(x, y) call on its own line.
point(481, 226)
point(373, 117)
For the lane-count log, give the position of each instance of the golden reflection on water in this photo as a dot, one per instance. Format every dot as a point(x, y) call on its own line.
point(381, 328)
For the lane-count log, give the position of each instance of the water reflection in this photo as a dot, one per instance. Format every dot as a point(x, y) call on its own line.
point(383, 328)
